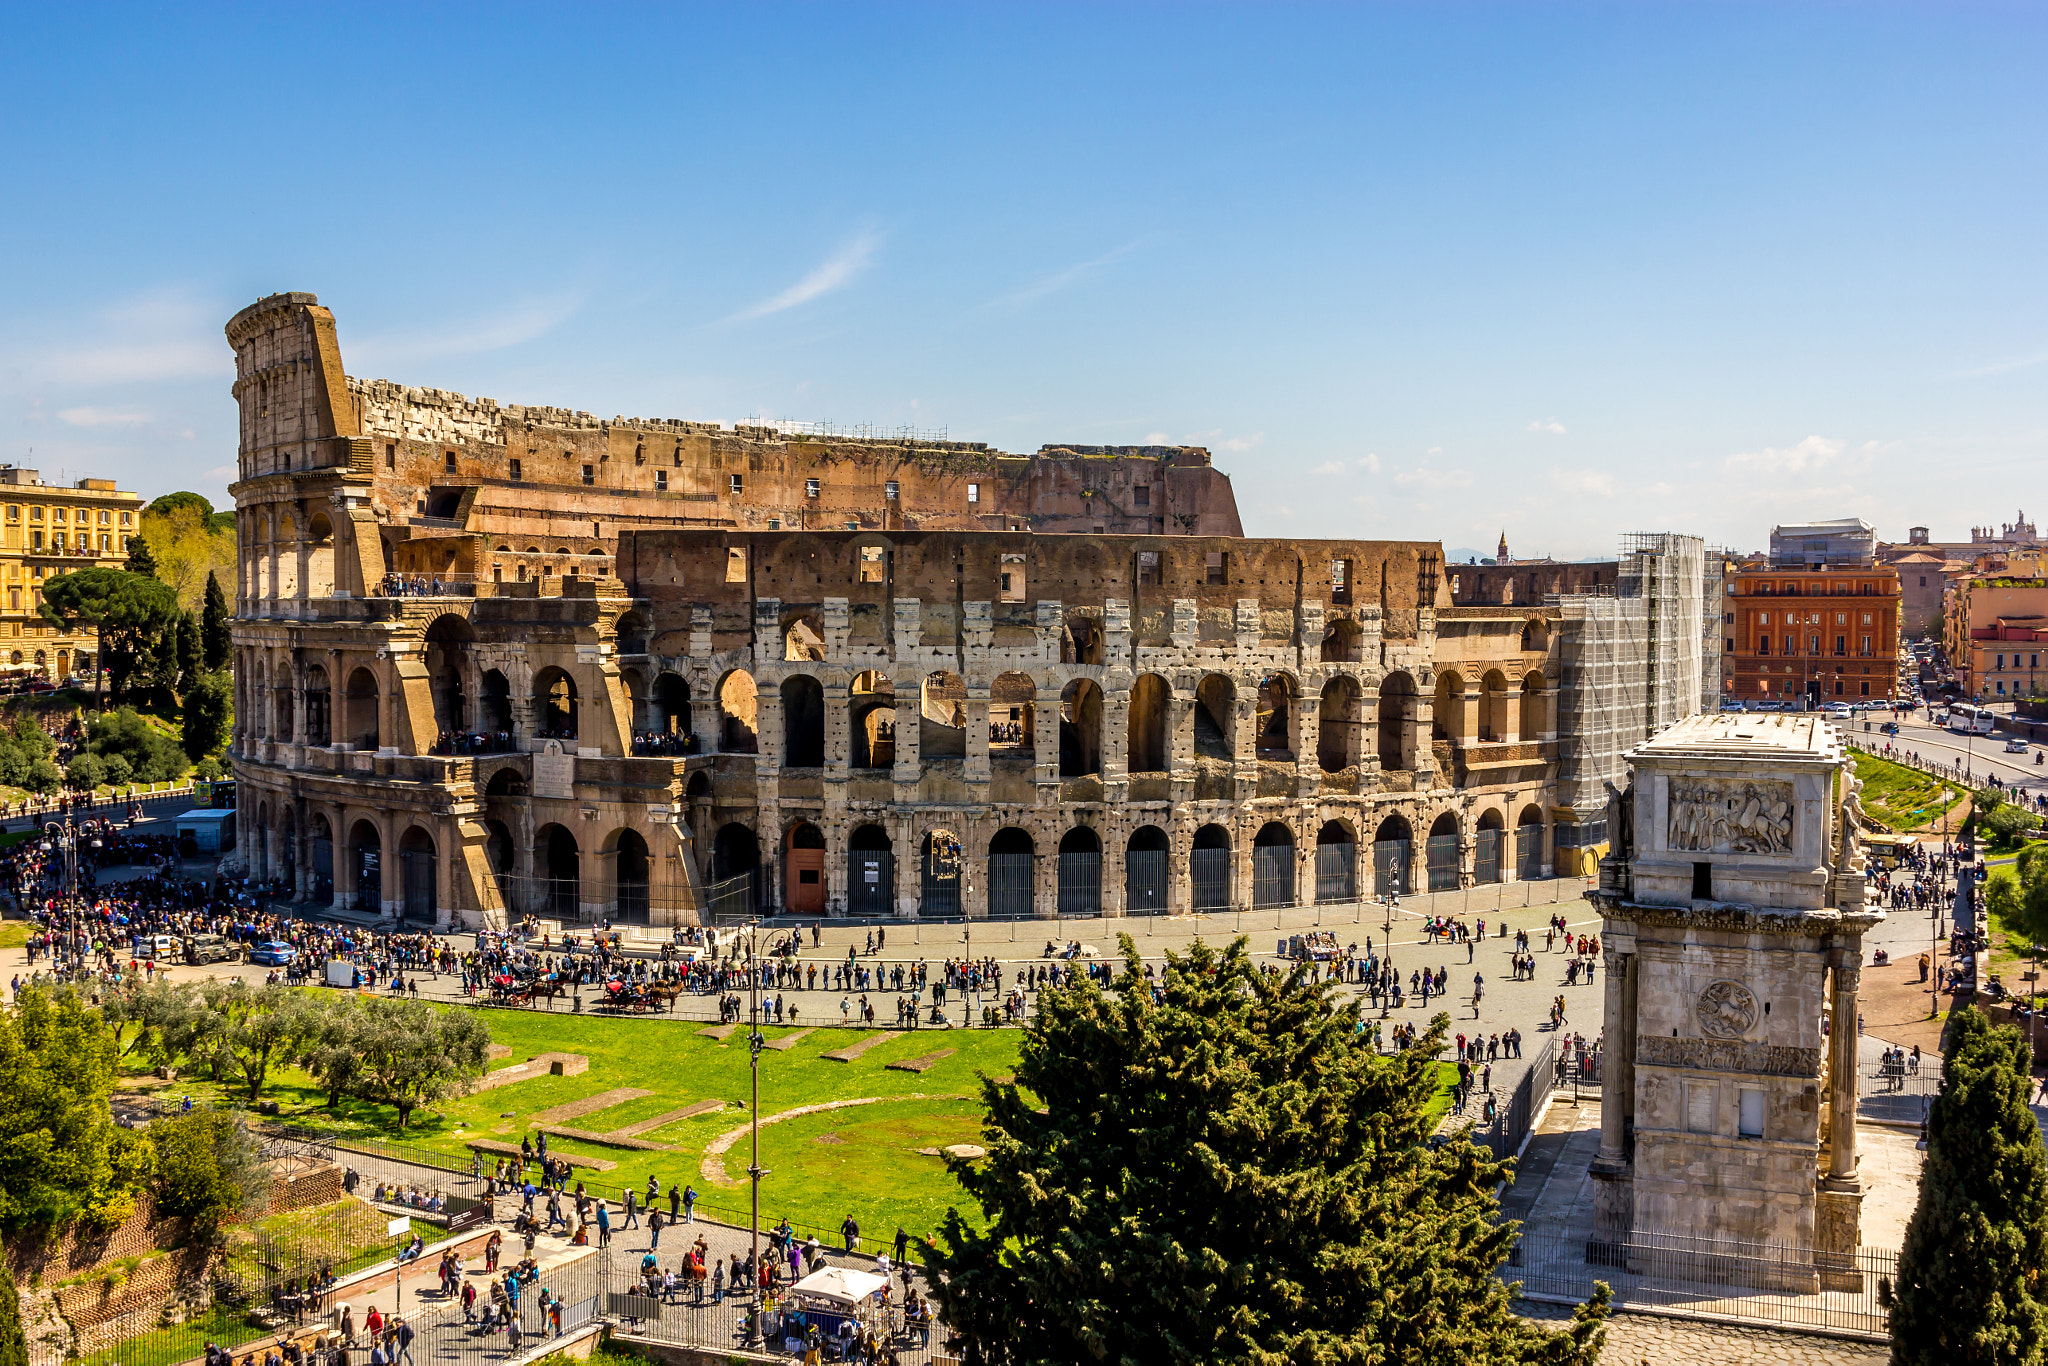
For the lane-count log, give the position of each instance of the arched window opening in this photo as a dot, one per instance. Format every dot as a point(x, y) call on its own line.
point(560, 867)
point(632, 878)
point(871, 707)
point(1336, 863)
point(1216, 717)
point(1150, 716)
point(803, 876)
point(870, 872)
point(1080, 729)
point(554, 704)
point(1535, 709)
point(1393, 849)
point(1012, 714)
point(360, 709)
point(1397, 715)
point(942, 716)
point(737, 709)
point(1273, 866)
point(1441, 854)
point(1209, 865)
point(495, 696)
point(1277, 716)
point(1337, 725)
point(939, 889)
point(1147, 864)
point(1080, 886)
point(1012, 857)
point(418, 877)
point(803, 722)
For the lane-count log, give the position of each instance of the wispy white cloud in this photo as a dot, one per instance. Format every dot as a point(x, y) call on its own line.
point(1244, 443)
point(1546, 424)
point(837, 271)
point(1810, 456)
point(524, 321)
point(2004, 367)
point(102, 417)
point(1370, 463)
point(166, 334)
point(1427, 479)
point(1060, 279)
point(1583, 483)
point(1330, 467)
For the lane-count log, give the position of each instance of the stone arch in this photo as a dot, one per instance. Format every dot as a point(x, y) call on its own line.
point(1343, 642)
point(1279, 716)
point(1535, 636)
point(1216, 717)
point(738, 712)
point(1337, 724)
point(631, 632)
point(631, 876)
point(1448, 709)
point(803, 869)
point(1148, 860)
point(669, 707)
point(803, 635)
point(1012, 872)
point(360, 708)
point(494, 697)
point(1493, 706)
point(939, 869)
point(1210, 868)
point(803, 722)
point(942, 716)
point(1393, 847)
point(1398, 712)
point(870, 871)
point(555, 704)
point(1534, 706)
point(1490, 847)
point(1013, 712)
point(418, 877)
point(558, 872)
point(1441, 853)
point(1336, 862)
point(1273, 862)
point(1080, 872)
point(871, 713)
point(1149, 743)
point(1080, 729)
point(449, 637)
point(365, 887)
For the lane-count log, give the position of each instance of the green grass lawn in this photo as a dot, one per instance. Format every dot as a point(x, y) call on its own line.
point(184, 1342)
point(1903, 798)
point(15, 933)
point(860, 1159)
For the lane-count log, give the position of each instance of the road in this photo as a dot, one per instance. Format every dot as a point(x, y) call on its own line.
point(1983, 755)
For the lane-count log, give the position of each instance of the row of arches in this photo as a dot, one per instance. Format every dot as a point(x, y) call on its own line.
point(1499, 709)
point(875, 710)
point(941, 876)
point(284, 557)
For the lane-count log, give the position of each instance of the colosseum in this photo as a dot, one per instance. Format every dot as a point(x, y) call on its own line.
point(495, 660)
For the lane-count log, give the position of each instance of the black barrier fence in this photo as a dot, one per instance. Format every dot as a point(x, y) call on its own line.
point(1514, 1119)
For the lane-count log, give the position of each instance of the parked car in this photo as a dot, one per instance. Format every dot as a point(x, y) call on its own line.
point(272, 954)
point(1836, 708)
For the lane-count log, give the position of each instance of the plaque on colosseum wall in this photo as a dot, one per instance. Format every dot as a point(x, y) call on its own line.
point(1728, 1055)
point(1734, 816)
point(554, 773)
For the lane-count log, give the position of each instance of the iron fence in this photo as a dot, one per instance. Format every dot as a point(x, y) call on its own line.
point(1514, 1119)
point(1145, 881)
point(1336, 873)
point(1211, 872)
point(1080, 887)
point(1272, 876)
point(1764, 1284)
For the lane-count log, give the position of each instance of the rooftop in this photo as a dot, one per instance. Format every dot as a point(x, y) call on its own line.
point(1747, 736)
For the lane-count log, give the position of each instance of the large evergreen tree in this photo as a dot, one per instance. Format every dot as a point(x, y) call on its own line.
point(1970, 1288)
point(128, 611)
point(188, 652)
point(1228, 1173)
point(61, 1155)
point(214, 629)
point(141, 560)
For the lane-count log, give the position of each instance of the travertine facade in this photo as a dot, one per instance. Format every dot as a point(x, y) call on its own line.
point(1734, 916)
point(920, 713)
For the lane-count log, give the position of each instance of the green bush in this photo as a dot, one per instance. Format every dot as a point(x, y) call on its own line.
point(2008, 823)
point(85, 772)
point(209, 712)
point(152, 756)
point(43, 777)
point(207, 1166)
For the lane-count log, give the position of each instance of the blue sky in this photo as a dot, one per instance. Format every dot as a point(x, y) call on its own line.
point(1410, 271)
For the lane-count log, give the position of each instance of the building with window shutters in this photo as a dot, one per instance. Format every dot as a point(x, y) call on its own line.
point(488, 666)
point(1815, 635)
point(46, 530)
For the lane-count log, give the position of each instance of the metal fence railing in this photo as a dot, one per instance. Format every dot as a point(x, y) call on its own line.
point(1515, 1118)
point(1763, 1284)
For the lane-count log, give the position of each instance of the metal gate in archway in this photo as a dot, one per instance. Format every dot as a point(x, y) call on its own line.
point(323, 871)
point(416, 869)
point(1529, 852)
point(1390, 860)
point(1080, 891)
point(939, 888)
point(1336, 872)
point(1441, 856)
point(1145, 881)
point(1486, 862)
point(1009, 884)
point(1210, 869)
point(870, 882)
point(1272, 876)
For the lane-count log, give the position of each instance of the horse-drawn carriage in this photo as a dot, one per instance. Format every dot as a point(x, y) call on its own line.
point(638, 997)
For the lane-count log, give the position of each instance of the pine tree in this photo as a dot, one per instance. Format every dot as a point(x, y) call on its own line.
point(188, 651)
point(1228, 1174)
point(13, 1340)
point(214, 628)
point(1969, 1288)
point(140, 560)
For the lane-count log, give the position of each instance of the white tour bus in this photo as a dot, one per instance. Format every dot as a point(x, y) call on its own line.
point(1967, 720)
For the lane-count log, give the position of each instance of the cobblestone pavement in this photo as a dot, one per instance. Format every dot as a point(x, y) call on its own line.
point(1651, 1340)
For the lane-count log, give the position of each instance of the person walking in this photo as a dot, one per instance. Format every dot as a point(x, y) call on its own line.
point(604, 1224)
point(851, 1229)
point(632, 1212)
point(689, 1204)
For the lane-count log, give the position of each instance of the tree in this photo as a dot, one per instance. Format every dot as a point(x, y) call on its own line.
point(171, 502)
point(207, 1167)
point(151, 755)
point(414, 1055)
point(1969, 1269)
point(2017, 897)
point(1228, 1173)
point(127, 610)
point(61, 1155)
point(140, 559)
point(13, 1339)
point(189, 652)
point(187, 544)
point(215, 633)
point(266, 1024)
point(209, 712)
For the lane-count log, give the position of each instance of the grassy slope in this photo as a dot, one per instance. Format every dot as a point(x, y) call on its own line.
point(1903, 798)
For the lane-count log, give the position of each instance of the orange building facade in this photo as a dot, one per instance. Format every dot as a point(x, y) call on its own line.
point(1819, 634)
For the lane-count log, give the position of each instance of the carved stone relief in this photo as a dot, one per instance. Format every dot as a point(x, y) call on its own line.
point(1730, 817)
point(1726, 1010)
point(1728, 1055)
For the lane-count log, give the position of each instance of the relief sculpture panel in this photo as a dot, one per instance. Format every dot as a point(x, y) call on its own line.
point(1739, 817)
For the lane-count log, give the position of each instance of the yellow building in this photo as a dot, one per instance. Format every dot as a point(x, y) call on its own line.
point(46, 531)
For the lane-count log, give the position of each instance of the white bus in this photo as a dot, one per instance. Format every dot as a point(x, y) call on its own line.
point(1968, 720)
